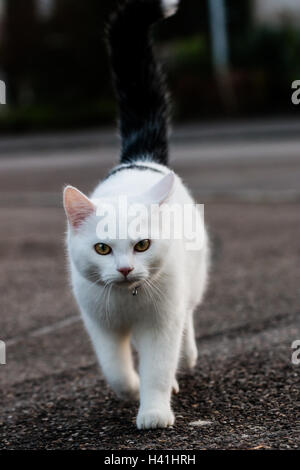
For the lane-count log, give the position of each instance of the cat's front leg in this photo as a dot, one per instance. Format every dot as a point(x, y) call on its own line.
point(115, 357)
point(159, 353)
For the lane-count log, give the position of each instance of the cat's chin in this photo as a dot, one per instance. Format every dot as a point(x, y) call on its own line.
point(129, 284)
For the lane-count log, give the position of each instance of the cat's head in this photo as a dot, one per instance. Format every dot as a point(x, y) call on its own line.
point(109, 240)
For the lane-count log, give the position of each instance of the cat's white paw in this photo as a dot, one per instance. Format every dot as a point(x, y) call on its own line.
point(191, 358)
point(128, 390)
point(175, 387)
point(170, 7)
point(155, 418)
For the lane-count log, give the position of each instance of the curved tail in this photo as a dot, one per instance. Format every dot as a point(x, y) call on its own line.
point(139, 82)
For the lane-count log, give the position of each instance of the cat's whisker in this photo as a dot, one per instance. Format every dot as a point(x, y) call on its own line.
point(110, 286)
point(160, 294)
point(157, 289)
point(154, 295)
point(93, 284)
point(144, 287)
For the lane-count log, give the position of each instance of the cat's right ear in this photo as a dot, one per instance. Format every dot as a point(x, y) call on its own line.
point(77, 206)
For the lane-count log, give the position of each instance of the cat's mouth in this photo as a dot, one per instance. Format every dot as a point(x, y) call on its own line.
point(129, 284)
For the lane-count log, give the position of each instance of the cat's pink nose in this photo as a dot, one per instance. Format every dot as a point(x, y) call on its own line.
point(125, 271)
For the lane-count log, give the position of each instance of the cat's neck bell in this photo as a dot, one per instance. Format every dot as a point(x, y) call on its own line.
point(135, 291)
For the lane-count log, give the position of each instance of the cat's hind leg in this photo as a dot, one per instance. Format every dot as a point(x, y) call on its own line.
point(175, 387)
point(189, 346)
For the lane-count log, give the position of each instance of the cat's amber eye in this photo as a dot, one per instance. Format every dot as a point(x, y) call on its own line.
point(102, 249)
point(141, 246)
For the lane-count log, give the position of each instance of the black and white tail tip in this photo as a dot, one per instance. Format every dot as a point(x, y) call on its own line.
point(170, 7)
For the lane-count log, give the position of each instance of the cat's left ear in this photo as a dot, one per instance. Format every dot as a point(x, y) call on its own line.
point(161, 191)
point(77, 206)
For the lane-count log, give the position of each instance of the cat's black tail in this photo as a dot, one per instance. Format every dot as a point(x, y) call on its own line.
point(139, 82)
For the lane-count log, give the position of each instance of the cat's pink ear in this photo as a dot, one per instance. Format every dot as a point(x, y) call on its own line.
point(160, 192)
point(77, 206)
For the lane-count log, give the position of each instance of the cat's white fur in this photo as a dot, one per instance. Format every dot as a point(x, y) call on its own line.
point(159, 320)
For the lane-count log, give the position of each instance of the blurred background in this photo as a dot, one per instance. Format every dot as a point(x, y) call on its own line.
point(237, 62)
point(235, 142)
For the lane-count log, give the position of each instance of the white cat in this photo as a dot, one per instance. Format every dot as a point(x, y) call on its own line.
point(137, 290)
